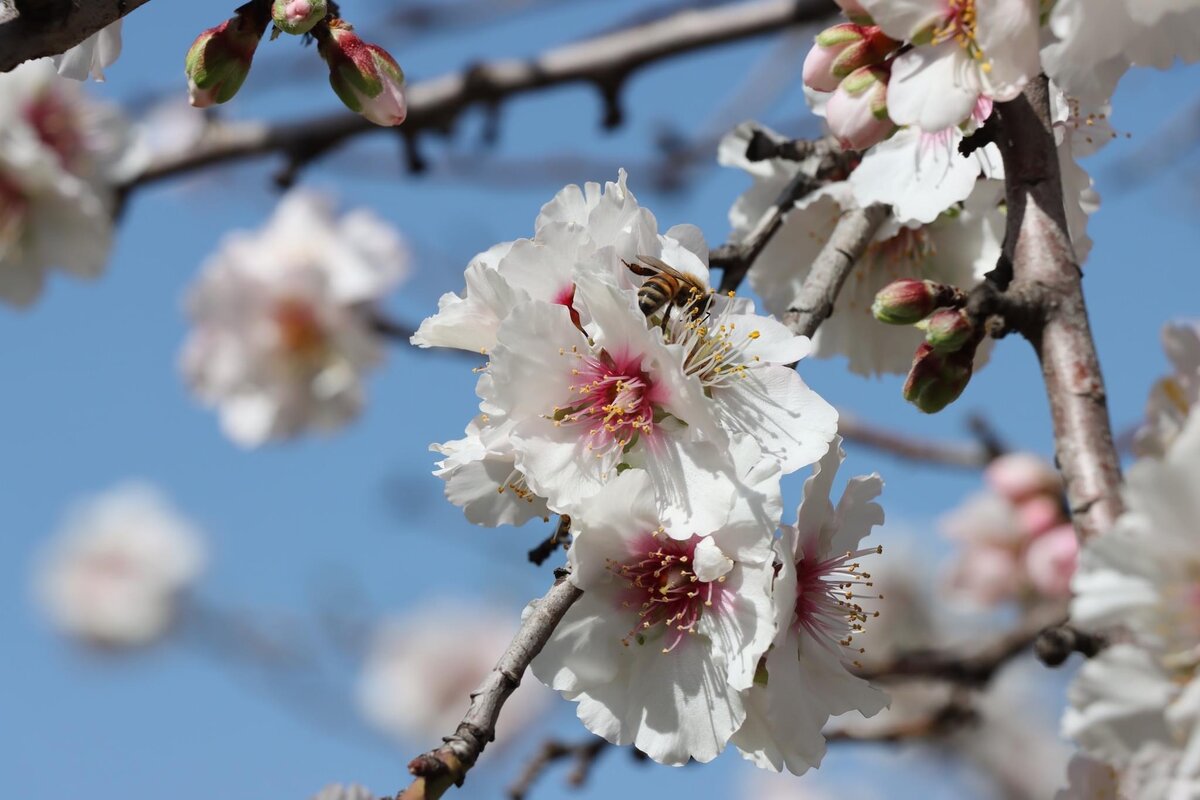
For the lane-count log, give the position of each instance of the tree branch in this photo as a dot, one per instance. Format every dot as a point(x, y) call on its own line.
point(604, 61)
point(446, 766)
point(814, 302)
point(49, 27)
point(1046, 284)
point(970, 668)
point(584, 755)
point(966, 456)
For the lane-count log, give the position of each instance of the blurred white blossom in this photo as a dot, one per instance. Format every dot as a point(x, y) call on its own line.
point(339, 792)
point(421, 668)
point(115, 574)
point(282, 331)
point(1173, 397)
point(61, 156)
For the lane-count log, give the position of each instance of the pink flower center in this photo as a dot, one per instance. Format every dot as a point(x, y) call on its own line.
point(298, 10)
point(300, 331)
point(826, 607)
point(14, 210)
point(614, 405)
point(57, 125)
point(664, 591)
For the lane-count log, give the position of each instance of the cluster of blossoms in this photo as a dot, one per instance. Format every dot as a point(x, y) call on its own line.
point(621, 391)
point(61, 156)
point(283, 318)
point(116, 574)
point(1135, 707)
point(364, 76)
point(1017, 543)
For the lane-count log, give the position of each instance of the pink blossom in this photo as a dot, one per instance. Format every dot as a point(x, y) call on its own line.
point(1019, 475)
point(1050, 561)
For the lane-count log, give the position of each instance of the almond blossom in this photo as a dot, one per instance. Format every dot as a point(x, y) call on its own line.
point(115, 574)
point(1137, 583)
point(283, 334)
point(669, 630)
point(957, 248)
point(1172, 397)
point(805, 678)
point(60, 156)
point(339, 792)
point(421, 667)
point(963, 50)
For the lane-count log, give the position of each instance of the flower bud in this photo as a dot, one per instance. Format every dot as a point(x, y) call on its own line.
point(219, 60)
point(857, 111)
point(936, 379)
point(908, 301)
point(840, 50)
point(297, 16)
point(366, 78)
point(948, 330)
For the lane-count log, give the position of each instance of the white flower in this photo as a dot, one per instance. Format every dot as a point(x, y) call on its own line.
point(1172, 398)
point(1094, 42)
point(1089, 779)
point(1138, 583)
point(957, 248)
point(584, 402)
point(668, 631)
point(589, 230)
point(963, 50)
point(421, 668)
point(91, 56)
point(48, 218)
point(805, 679)
point(282, 337)
point(115, 574)
point(339, 792)
point(921, 175)
point(482, 478)
point(59, 158)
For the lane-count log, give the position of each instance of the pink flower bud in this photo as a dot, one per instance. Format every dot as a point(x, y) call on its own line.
point(1018, 476)
point(857, 112)
point(937, 379)
point(1038, 514)
point(366, 78)
point(297, 16)
point(948, 330)
point(908, 301)
point(219, 60)
point(840, 50)
point(1050, 561)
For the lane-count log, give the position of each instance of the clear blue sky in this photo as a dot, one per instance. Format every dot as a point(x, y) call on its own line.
point(93, 398)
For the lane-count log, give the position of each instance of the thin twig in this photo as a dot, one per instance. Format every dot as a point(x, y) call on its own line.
point(605, 62)
point(974, 667)
point(851, 236)
point(446, 766)
point(584, 755)
point(966, 456)
point(559, 538)
point(1047, 290)
point(955, 714)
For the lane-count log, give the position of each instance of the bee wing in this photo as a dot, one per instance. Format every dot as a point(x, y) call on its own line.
point(661, 266)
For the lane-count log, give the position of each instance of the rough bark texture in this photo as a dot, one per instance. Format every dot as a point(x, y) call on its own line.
point(1046, 283)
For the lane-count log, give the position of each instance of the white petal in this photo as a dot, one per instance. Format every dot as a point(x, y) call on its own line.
point(927, 88)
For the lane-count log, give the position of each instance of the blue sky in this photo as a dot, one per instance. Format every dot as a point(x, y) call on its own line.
point(94, 398)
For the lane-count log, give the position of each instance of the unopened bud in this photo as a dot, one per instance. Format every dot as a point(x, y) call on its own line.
point(297, 16)
point(841, 49)
point(857, 111)
point(219, 60)
point(948, 330)
point(908, 301)
point(936, 380)
point(366, 78)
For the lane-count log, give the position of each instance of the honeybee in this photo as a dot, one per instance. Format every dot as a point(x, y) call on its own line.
point(666, 287)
